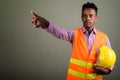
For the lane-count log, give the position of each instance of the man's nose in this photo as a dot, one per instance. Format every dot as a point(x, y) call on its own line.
point(88, 18)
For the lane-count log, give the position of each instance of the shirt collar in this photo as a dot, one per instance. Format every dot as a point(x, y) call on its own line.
point(85, 31)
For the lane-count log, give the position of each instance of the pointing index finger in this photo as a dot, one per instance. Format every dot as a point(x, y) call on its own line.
point(34, 14)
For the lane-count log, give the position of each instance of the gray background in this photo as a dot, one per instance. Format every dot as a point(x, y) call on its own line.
point(27, 53)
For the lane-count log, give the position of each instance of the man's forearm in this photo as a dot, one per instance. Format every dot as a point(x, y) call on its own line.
point(60, 32)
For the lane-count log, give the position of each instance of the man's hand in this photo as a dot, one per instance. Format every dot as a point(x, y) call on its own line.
point(100, 70)
point(38, 21)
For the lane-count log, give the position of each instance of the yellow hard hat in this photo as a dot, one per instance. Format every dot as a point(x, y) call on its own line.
point(107, 57)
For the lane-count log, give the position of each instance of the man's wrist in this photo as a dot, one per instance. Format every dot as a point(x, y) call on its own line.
point(44, 23)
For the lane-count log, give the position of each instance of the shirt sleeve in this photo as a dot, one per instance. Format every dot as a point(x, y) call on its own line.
point(60, 32)
point(108, 43)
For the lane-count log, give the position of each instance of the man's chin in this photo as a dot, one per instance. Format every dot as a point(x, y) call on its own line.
point(88, 26)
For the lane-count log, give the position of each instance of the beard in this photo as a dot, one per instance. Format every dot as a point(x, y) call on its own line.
point(89, 24)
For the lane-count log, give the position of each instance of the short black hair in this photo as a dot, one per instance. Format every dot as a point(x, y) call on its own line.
point(90, 5)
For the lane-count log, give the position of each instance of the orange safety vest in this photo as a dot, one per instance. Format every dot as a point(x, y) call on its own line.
point(82, 60)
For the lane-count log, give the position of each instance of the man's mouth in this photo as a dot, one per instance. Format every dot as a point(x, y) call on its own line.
point(88, 23)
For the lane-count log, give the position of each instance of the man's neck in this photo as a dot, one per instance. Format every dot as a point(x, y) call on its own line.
point(89, 29)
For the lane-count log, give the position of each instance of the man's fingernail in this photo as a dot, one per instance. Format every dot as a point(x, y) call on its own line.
point(31, 12)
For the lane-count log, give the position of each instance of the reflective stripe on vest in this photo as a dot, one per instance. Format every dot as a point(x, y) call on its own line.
point(82, 75)
point(81, 63)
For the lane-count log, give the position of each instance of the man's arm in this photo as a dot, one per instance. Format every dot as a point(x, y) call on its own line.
point(101, 70)
point(60, 32)
point(57, 31)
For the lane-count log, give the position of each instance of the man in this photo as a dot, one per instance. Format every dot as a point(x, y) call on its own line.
point(86, 42)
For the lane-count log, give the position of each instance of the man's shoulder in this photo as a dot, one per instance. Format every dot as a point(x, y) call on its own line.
point(101, 33)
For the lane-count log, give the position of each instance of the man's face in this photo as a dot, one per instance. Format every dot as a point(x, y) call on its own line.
point(89, 18)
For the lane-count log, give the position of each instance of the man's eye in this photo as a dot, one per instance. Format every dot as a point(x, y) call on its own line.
point(84, 16)
point(91, 16)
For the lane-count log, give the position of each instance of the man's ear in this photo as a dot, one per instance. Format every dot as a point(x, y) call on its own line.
point(96, 18)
